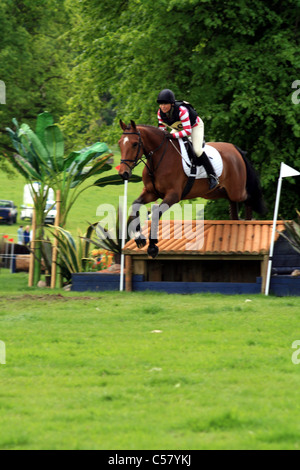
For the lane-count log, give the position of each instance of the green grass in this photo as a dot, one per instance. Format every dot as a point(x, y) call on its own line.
point(88, 371)
point(143, 371)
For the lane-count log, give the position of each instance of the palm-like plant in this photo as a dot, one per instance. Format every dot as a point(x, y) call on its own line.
point(74, 257)
point(292, 234)
point(40, 158)
point(106, 239)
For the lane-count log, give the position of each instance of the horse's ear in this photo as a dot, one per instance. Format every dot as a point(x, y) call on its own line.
point(122, 124)
point(133, 125)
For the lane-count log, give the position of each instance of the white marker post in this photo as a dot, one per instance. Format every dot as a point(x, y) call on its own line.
point(124, 224)
point(285, 171)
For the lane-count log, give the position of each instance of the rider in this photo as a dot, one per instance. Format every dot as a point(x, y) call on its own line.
point(185, 123)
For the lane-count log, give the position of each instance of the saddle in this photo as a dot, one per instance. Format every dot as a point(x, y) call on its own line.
point(195, 161)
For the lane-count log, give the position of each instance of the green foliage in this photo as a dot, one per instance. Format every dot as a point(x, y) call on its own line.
point(74, 257)
point(292, 234)
point(116, 180)
point(234, 62)
point(41, 159)
point(35, 61)
point(105, 239)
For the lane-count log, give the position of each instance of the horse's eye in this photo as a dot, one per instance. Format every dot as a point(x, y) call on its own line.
point(135, 144)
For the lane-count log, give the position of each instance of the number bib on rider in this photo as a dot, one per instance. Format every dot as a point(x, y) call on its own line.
point(177, 126)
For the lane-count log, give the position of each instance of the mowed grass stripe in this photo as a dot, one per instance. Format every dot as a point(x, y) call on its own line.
point(147, 371)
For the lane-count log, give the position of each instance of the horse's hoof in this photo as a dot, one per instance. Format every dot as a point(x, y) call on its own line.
point(140, 242)
point(153, 251)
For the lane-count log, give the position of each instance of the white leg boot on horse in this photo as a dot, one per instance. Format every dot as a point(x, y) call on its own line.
point(134, 223)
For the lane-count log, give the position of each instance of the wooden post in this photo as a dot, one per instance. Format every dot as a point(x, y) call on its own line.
point(55, 243)
point(6, 258)
point(32, 250)
point(12, 257)
point(128, 273)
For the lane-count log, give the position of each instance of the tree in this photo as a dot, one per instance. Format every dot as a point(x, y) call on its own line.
point(234, 61)
point(35, 61)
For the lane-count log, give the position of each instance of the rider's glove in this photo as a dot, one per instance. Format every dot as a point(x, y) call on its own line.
point(170, 136)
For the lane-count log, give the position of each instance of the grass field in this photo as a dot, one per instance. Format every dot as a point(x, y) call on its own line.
point(147, 371)
point(143, 371)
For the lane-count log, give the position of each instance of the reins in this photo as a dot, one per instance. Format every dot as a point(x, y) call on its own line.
point(149, 161)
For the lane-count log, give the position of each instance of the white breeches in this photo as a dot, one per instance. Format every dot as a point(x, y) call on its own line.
point(197, 137)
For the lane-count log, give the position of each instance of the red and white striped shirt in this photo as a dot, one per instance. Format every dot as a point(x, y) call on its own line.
point(185, 120)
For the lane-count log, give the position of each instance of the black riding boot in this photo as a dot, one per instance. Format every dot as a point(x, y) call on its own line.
point(211, 174)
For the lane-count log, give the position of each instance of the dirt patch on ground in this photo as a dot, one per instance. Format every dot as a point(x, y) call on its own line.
point(46, 298)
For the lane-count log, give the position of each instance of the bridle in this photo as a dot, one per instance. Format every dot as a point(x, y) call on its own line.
point(136, 161)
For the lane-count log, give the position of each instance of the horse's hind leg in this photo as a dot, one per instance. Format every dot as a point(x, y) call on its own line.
point(234, 210)
point(248, 212)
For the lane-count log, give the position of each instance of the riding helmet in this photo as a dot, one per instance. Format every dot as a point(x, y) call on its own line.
point(166, 96)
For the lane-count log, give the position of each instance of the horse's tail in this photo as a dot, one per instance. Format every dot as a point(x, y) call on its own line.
point(255, 195)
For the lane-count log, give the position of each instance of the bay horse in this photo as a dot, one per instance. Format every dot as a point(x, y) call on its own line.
point(164, 178)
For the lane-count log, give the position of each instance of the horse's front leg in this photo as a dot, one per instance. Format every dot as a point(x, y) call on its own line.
point(157, 212)
point(234, 210)
point(134, 222)
point(248, 212)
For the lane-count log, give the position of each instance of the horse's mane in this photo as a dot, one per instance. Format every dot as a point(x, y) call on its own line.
point(156, 130)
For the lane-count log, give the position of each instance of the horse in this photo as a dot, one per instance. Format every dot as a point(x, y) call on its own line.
point(164, 178)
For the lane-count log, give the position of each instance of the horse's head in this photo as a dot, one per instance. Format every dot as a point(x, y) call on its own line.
point(131, 147)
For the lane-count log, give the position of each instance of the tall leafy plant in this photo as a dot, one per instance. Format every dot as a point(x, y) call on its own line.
point(74, 257)
point(292, 233)
point(103, 238)
point(40, 158)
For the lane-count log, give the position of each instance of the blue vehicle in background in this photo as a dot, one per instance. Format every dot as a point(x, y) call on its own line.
point(8, 212)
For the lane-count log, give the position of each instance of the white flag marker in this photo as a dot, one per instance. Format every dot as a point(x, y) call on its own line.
point(285, 172)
